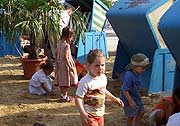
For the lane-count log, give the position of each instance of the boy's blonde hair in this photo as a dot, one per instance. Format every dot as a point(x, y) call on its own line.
point(93, 54)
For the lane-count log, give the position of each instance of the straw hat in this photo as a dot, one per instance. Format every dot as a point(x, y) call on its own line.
point(137, 60)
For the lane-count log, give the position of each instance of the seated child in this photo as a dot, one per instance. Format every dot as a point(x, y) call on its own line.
point(40, 83)
point(161, 112)
point(165, 108)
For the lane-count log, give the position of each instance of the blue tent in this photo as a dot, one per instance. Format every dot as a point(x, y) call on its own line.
point(133, 24)
point(169, 27)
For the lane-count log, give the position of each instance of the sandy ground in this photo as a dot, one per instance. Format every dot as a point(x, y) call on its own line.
point(18, 108)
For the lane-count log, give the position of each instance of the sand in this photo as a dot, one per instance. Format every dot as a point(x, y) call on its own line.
point(19, 108)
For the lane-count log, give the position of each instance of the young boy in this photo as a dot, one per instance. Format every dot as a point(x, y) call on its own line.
point(91, 91)
point(130, 90)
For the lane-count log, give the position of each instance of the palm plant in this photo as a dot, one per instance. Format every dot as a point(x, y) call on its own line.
point(35, 19)
point(108, 3)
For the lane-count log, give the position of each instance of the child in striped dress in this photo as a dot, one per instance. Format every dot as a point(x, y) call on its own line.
point(65, 67)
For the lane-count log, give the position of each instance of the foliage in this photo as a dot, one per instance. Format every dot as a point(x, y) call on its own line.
point(36, 19)
point(108, 3)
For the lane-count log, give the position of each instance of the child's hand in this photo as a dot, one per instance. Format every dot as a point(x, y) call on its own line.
point(85, 119)
point(119, 102)
point(132, 104)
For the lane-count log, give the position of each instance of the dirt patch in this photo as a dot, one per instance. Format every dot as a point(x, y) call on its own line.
point(19, 108)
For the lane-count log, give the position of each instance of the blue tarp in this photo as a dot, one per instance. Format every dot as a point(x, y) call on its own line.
point(133, 27)
point(169, 27)
point(7, 48)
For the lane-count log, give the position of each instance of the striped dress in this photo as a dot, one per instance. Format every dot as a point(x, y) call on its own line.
point(65, 77)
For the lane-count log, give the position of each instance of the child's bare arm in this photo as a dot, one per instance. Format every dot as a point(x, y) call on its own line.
point(79, 104)
point(67, 49)
point(131, 102)
point(83, 114)
point(44, 87)
point(113, 98)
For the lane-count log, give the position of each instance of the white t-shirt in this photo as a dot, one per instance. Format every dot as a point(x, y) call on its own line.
point(93, 93)
point(174, 120)
point(35, 83)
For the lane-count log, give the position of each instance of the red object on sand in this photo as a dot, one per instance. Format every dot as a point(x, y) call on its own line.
point(81, 71)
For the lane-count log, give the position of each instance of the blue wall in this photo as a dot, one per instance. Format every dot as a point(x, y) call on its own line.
point(7, 48)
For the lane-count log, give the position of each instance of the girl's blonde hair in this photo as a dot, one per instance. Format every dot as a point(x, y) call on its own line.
point(93, 54)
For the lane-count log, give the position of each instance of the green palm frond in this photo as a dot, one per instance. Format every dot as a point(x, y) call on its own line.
point(79, 26)
point(35, 19)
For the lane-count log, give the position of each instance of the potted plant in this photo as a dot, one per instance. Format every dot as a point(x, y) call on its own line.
point(35, 19)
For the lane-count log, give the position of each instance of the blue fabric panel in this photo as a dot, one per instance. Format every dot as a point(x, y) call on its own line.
point(169, 72)
point(1, 45)
point(156, 83)
point(169, 27)
point(8, 48)
point(121, 60)
point(93, 40)
point(162, 77)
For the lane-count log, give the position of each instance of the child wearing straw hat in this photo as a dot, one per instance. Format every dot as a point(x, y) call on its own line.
point(130, 90)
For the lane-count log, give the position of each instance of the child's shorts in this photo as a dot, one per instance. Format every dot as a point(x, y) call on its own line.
point(96, 121)
point(129, 112)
